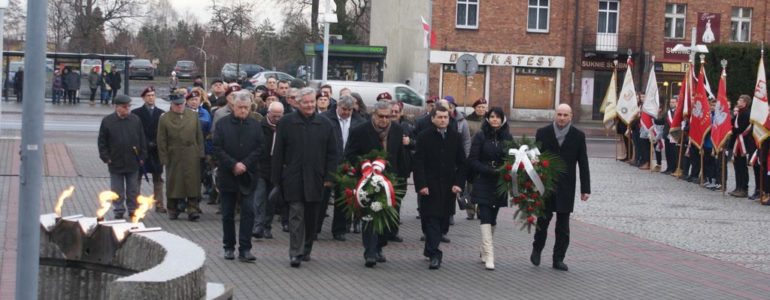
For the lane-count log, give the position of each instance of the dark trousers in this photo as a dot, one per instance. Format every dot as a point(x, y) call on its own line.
point(229, 200)
point(741, 172)
point(93, 95)
point(672, 155)
point(721, 161)
point(643, 149)
point(339, 219)
point(71, 96)
point(694, 162)
point(372, 241)
point(267, 218)
point(114, 93)
point(488, 214)
point(432, 227)
point(19, 95)
point(303, 217)
point(710, 167)
point(626, 143)
point(562, 234)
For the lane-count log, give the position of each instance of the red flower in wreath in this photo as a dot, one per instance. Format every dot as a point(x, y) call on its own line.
point(538, 203)
point(534, 195)
point(508, 167)
point(507, 177)
point(545, 163)
point(353, 171)
point(531, 219)
point(521, 166)
point(345, 168)
point(528, 184)
point(348, 193)
point(530, 209)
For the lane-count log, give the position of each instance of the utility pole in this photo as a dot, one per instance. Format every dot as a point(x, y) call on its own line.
point(3, 6)
point(31, 172)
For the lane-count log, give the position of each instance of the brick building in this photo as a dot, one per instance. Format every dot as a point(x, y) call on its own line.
point(535, 54)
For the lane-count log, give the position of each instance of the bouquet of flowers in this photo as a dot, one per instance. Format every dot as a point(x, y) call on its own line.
point(529, 177)
point(370, 193)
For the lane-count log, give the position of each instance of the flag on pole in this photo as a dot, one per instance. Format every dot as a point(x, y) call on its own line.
point(651, 105)
point(682, 110)
point(610, 102)
point(721, 126)
point(628, 108)
point(429, 38)
point(759, 106)
point(700, 118)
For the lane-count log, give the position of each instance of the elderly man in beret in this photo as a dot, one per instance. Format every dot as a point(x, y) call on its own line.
point(122, 146)
point(150, 116)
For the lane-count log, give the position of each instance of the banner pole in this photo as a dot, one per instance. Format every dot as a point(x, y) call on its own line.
point(702, 153)
point(678, 171)
point(652, 153)
point(724, 166)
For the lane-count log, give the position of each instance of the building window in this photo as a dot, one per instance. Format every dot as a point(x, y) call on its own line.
point(534, 88)
point(608, 17)
point(537, 17)
point(465, 90)
point(467, 14)
point(675, 16)
point(740, 24)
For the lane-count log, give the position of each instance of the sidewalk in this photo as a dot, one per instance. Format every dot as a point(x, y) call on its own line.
point(604, 263)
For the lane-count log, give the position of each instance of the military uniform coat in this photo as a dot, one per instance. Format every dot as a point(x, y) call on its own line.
point(439, 163)
point(572, 152)
point(150, 119)
point(304, 156)
point(180, 148)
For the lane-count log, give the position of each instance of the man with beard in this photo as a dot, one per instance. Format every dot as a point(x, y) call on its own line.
point(379, 134)
point(150, 116)
point(302, 171)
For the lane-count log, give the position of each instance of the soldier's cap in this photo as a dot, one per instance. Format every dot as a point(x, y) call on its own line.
point(479, 102)
point(385, 96)
point(122, 99)
point(234, 87)
point(147, 90)
point(431, 99)
point(191, 94)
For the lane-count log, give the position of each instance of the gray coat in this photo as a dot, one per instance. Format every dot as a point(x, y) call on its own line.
point(93, 80)
point(304, 157)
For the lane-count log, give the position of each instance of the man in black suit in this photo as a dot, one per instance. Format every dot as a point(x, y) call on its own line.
point(570, 144)
point(380, 134)
point(439, 172)
point(150, 114)
point(343, 120)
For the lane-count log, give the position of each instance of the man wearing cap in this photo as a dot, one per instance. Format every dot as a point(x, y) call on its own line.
point(180, 148)
point(304, 157)
point(150, 116)
point(384, 96)
point(217, 96)
point(122, 146)
point(238, 146)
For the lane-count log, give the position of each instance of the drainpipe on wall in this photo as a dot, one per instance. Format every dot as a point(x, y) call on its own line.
point(642, 55)
point(577, 107)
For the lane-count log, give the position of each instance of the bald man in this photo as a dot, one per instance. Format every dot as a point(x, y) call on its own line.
point(569, 143)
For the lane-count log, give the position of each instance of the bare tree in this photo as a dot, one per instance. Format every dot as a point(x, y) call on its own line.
point(15, 21)
point(92, 17)
point(59, 23)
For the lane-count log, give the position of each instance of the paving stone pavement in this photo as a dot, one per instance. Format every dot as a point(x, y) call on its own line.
point(677, 242)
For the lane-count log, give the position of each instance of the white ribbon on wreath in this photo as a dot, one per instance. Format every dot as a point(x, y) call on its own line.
point(371, 174)
point(525, 156)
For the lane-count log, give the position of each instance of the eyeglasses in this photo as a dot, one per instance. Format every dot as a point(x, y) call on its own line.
point(382, 116)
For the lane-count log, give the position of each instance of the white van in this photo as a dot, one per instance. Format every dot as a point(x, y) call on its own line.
point(414, 103)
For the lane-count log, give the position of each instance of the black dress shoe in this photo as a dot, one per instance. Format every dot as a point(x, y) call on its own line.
point(559, 265)
point(173, 215)
point(246, 257)
point(306, 257)
point(268, 234)
point(754, 196)
point(451, 220)
point(396, 239)
point(285, 227)
point(380, 258)
point(435, 263)
point(422, 238)
point(340, 237)
point(535, 257)
point(193, 217)
point(229, 254)
point(295, 261)
point(445, 239)
point(370, 262)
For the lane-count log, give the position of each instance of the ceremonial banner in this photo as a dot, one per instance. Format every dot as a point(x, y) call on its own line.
point(683, 105)
point(721, 126)
point(700, 119)
point(628, 108)
point(609, 105)
point(651, 105)
point(759, 106)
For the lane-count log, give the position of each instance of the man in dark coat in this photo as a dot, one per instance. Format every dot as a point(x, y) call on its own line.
point(439, 172)
point(18, 84)
point(379, 134)
point(743, 146)
point(237, 147)
point(263, 220)
point(114, 80)
point(343, 120)
point(570, 144)
point(123, 148)
point(150, 115)
point(304, 157)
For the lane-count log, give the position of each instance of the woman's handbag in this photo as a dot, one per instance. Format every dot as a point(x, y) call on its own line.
point(463, 202)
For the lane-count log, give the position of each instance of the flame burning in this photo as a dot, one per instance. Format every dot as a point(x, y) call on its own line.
point(144, 204)
point(64, 195)
point(105, 199)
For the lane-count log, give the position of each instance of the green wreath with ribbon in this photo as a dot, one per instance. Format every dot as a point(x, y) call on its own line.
point(369, 192)
point(529, 177)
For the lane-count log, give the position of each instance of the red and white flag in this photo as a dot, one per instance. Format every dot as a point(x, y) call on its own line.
point(428, 37)
point(700, 118)
point(721, 126)
point(759, 115)
point(682, 110)
point(628, 108)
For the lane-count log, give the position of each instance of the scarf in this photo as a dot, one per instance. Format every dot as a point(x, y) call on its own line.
point(382, 134)
point(561, 134)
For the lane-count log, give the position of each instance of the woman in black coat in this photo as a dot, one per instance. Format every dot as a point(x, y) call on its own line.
point(487, 152)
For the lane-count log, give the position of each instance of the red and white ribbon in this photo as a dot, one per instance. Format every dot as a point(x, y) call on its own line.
point(525, 156)
point(371, 173)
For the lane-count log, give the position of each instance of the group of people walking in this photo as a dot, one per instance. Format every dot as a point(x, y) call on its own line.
point(274, 152)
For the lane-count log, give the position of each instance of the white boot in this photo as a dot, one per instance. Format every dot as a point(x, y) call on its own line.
point(483, 252)
point(486, 242)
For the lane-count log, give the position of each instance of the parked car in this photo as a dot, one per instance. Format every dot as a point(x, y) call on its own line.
point(119, 65)
point(185, 69)
point(141, 68)
point(414, 103)
point(261, 77)
point(246, 71)
point(87, 64)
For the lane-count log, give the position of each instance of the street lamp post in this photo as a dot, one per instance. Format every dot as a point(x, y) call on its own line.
point(3, 6)
point(205, 61)
point(328, 19)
